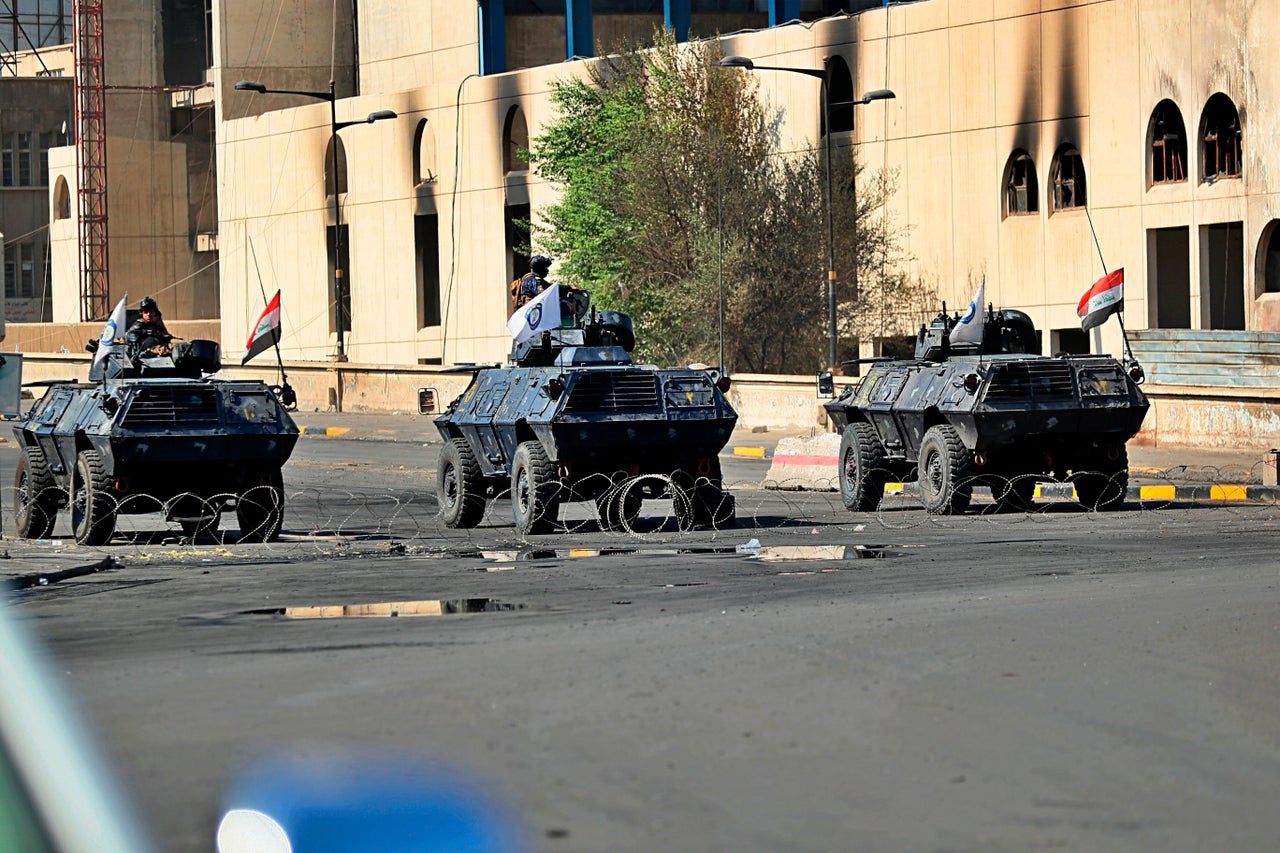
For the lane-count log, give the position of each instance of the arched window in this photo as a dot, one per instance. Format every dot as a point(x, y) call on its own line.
point(329, 183)
point(515, 141)
point(1167, 137)
point(61, 199)
point(424, 154)
point(839, 96)
point(1270, 244)
point(1220, 140)
point(1067, 173)
point(1021, 189)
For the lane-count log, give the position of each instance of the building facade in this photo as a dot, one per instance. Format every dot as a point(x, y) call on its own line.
point(1036, 143)
point(157, 147)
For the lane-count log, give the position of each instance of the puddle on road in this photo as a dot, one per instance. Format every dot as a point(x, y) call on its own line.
point(387, 609)
point(751, 550)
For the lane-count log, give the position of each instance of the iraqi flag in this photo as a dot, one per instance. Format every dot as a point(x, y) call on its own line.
point(267, 333)
point(1105, 298)
point(968, 329)
point(112, 331)
point(538, 315)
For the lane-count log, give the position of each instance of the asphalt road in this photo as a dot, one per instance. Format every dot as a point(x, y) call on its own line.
point(1062, 680)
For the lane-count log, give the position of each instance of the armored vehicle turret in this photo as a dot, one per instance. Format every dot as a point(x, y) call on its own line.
point(992, 414)
point(154, 434)
point(572, 418)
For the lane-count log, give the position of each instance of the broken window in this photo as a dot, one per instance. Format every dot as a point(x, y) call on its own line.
point(1220, 139)
point(1020, 187)
point(1068, 179)
point(1168, 144)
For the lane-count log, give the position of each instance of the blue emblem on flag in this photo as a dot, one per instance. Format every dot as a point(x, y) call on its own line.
point(534, 317)
point(109, 331)
point(968, 317)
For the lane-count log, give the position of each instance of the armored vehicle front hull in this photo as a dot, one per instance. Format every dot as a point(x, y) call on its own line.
point(998, 421)
point(611, 433)
point(188, 448)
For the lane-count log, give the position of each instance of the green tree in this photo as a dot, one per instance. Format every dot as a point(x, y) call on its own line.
point(672, 191)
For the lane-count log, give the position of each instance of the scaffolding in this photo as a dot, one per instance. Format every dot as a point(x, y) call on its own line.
point(91, 159)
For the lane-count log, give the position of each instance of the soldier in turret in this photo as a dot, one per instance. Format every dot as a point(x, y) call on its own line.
point(148, 334)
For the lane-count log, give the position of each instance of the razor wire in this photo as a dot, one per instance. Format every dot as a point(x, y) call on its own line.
point(649, 509)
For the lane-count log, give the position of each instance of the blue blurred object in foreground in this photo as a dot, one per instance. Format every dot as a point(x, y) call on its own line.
point(354, 803)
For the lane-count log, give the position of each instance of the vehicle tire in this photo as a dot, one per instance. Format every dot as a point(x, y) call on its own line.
point(260, 509)
point(946, 480)
point(36, 495)
point(93, 505)
point(619, 507)
point(459, 485)
point(1016, 494)
point(863, 472)
point(535, 490)
point(1103, 484)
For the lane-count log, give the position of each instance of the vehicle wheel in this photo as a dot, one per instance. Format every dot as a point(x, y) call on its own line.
point(260, 509)
point(1016, 494)
point(1103, 484)
point(36, 495)
point(93, 506)
point(459, 485)
point(619, 507)
point(863, 473)
point(535, 490)
point(946, 483)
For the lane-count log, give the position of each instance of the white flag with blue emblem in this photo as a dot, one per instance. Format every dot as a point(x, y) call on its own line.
point(968, 329)
point(115, 328)
point(538, 315)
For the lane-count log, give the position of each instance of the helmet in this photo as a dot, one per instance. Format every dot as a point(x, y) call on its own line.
point(148, 304)
point(539, 263)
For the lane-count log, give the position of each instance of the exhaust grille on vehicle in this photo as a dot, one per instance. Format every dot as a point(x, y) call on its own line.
point(1035, 379)
point(613, 391)
point(172, 405)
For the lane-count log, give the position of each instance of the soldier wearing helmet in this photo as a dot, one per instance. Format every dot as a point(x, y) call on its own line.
point(148, 334)
point(533, 282)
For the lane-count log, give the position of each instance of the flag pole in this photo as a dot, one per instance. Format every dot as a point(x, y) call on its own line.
point(286, 393)
point(1124, 335)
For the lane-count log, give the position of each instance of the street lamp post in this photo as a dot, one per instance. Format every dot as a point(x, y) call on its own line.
point(825, 107)
point(339, 285)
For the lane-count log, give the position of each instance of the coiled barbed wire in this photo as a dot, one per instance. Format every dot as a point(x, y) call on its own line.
point(648, 508)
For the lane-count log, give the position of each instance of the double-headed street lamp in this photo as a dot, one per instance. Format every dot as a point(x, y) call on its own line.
point(874, 95)
point(339, 288)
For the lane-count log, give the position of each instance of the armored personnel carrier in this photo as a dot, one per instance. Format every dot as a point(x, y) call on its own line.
point(154, 434)
point(572, 418)
point(992, 414)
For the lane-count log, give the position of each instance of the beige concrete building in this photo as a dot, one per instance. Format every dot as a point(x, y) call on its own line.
point(161, 190)
point(1033, 141)
point(1017, 125)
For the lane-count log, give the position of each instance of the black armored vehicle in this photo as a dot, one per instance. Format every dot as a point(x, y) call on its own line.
point(572, 418)
point(154, 434)
point(993, 414)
